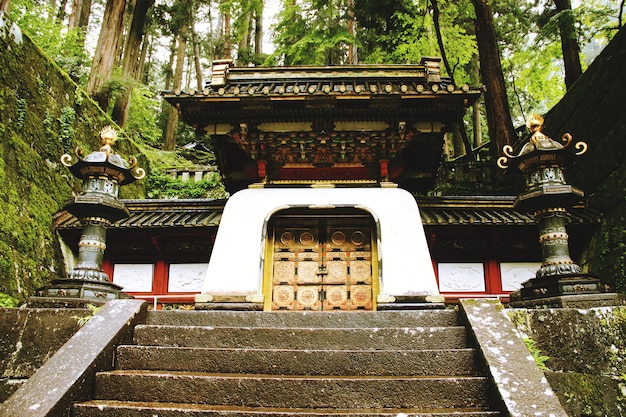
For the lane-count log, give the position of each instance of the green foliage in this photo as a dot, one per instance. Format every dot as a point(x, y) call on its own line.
point(392, 31)
point(21, 109)
point(66, 126)
point(6, 301)
point(536, 81)
point(166, 186)
point(312, 32)
point(93, 310)
point(63, 45)
point(142, 122)
point(540, 359)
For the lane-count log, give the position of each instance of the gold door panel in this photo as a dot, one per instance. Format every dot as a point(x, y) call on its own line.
point(283, 297)
point(361, 272)
point(308, 297)
point(337, 272)
point(308, 272)
point(361, 297)
point(321, 263)
point(336, 297)
point(284, 272)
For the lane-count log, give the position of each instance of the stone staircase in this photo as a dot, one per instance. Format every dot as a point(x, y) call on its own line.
point(210, 363)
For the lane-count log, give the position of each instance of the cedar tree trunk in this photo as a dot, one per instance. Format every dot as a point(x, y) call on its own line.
point(569, 44)
point(104, 56)
point(501, 130)
point(172, 117)
point(130, 61)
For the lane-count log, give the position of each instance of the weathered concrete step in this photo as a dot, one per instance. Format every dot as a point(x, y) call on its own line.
point(298, 362)
point(293, 391)
point(302, 338)
point(100, 408)
point(428, 318)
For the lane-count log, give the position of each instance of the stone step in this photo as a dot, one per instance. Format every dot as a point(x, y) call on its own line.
point(302, 338)
point(441, 362)
point(379, 319)
point(236, 390)
point(100, 408)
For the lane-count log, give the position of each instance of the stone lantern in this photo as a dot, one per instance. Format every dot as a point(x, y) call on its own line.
point(548, 197)
point(96, 206)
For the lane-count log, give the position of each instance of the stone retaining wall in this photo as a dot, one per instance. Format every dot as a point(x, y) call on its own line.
point(586, 352)
point(29, 337)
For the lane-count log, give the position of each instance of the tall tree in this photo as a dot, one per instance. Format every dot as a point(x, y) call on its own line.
point(247, 30)
point(569, 42)
point(179, 26)
point(79, 15)
point(353, 56)
point(499, 121)
point(442, 49)
point(225, 29)
point(104, 56)
point(172, 118)
point(61, 11)
point(313, 32)
point(130, 60)
point(258, 30)
point(196, 57)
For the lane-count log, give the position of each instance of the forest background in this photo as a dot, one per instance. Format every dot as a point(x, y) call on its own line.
point(124, 53)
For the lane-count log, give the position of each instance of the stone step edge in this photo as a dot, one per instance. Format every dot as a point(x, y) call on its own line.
point(423, 329)
point(233, 349)
point(347, 378)
point(185, 407)
point(457, 362)
point(261, 319)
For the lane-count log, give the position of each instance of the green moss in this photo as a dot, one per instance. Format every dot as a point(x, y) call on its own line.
point(587, 395)
point(43, 114)
point(8, 301)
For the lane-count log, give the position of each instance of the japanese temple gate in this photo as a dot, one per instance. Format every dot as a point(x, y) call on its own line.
point(351, 245)
point(313, 157)
point(325, 165)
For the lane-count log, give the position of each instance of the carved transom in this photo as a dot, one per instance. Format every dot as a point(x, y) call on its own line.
point(323, 148)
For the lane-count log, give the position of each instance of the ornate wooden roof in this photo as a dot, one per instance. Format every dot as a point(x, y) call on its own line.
point(434, 211)
point(149, 214)
point(361, 122)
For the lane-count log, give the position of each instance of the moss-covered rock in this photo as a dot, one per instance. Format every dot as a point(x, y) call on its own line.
point(586, 352)
point(43, 114)
point(587, 395)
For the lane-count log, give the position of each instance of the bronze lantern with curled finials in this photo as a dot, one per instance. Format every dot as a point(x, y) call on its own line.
point(548, 196)
point(96, 206)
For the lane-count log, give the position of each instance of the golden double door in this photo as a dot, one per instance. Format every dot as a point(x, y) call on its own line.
point(322, 262)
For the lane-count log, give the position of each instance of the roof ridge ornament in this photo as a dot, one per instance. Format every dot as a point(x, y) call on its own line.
point(219, 71)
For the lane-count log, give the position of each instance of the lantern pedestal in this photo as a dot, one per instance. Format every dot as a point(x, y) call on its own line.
point(578, 301)
point(76, 293)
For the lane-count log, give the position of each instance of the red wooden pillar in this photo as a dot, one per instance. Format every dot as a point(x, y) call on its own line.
point(493, 278)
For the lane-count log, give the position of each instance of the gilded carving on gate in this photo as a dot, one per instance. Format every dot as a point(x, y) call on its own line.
point(322, 263)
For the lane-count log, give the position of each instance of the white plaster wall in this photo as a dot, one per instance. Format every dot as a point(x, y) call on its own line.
point(236, 263)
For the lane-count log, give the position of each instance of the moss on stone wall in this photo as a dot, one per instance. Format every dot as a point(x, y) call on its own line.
point(585, 395)
point(587, 355)
point(43, 114)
